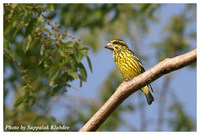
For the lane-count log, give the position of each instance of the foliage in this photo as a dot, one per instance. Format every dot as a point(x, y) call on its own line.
point(41, 62)
point(42, 45)
point(105, 21)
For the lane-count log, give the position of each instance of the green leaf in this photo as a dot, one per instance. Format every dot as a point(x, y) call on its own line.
point(18, 27)
point(29, 43)
point(55, 90)
point(41, 60)
point(69, 44)
point(65, 47)
point(19, 101)
point(83, 48)
point(42, 49)
point(63, 79)
point(72, 87)
point(14, 5)
point(6, 44)
point(53, 76)
point(30, 26)
point(32, 100)
point(78, 56)
point(51, 83)
point(89, 63)
point(83, 73)
point(13, 24)
point(72, 73)
point(58, 65)
point(67, 60)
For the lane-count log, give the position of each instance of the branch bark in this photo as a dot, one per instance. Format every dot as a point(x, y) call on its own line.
point(127, 88)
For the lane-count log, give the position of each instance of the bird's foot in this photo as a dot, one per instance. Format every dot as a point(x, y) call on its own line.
point(126, 80)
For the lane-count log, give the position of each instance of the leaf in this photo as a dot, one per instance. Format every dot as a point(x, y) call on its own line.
point(42, 49)
point(29, 43)
point(25, 87)
point(63, 79)
point(19, 101)
point(55, 90)
point(78, 56)
point(13, 24)
point(72, 73)
point(72, 87)
point(89, 63)
point(32, 102)
point(53, 76)
point(18, 27)
point(52, 83)
point(41, 60)
point(14, 5)
point(66, 48)
point(67, 60)
point(83, 48)
point(69, 44)
point(83, 73)
point(58, 65)
point(30, 26)
point(6, 44)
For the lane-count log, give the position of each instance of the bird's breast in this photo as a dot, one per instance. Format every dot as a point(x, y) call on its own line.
point(125, 65)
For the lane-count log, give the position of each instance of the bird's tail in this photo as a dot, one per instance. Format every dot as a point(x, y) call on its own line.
point(148, 94)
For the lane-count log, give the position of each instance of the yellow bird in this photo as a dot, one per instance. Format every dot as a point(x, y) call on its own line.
point(128, 64)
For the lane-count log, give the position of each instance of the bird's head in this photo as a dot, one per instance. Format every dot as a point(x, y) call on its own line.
point(116, 45)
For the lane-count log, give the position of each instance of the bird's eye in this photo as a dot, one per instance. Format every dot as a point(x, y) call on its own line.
point(116, 47)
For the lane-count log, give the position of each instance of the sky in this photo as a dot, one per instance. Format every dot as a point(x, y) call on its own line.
point(183, 82)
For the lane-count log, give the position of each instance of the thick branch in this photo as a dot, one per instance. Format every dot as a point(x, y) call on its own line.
point(127, 88)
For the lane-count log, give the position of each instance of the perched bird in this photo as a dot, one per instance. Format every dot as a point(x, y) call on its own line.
point(128, 64)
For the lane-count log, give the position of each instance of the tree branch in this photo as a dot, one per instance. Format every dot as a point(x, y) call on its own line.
point(127, 88)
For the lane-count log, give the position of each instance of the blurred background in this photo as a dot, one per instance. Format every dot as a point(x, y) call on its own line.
point(57, 71)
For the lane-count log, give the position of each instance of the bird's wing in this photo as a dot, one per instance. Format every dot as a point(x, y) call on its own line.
point(138, 60)
point(141, 66)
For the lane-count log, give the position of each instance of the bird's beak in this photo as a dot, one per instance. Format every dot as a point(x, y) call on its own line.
point(109, 46)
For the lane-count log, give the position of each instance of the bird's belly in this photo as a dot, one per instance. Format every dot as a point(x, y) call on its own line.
point(126, 70)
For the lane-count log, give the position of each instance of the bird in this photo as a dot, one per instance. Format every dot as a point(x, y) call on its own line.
point(128, 64)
